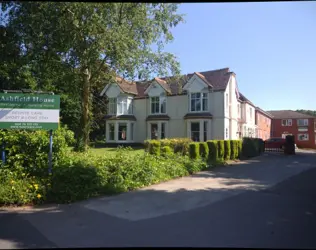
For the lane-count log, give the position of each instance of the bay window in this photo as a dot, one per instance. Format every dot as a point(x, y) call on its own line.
point(112, 106)
point(120, 131)
point(198, 102)
point(157, 130)
point(198, 130)
point(158, 104)
point(111, 131)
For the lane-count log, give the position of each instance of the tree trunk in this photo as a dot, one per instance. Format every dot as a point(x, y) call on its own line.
point(86, 108)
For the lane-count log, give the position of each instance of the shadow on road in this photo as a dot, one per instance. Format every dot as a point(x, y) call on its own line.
point(184, 212)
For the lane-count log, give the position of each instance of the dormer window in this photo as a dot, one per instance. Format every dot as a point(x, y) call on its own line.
point(198, 102)
point(158, 104)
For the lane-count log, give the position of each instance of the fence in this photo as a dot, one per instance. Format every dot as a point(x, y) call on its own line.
point(269, 147)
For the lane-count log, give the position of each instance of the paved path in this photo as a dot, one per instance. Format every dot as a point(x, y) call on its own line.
point(266, 202)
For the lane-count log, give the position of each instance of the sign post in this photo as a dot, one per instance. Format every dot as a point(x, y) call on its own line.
point(31, 111)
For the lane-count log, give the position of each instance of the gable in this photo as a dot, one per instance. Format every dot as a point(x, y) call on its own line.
point(113, 91)
point(155, 89)
point(195, 84)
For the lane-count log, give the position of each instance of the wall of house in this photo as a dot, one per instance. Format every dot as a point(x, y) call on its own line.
point(140, 110)
point(177, 107)
point(263, 125)
point(278, 130)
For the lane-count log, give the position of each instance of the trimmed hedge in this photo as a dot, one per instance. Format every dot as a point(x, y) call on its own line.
point(221, 150)
point(166, 151)
point(227, 149)
point(194, 150)
point(233, 149)
point(252, 147)
point(154, 147)
point(204, 151)
point(213, 151)
point(178, 145)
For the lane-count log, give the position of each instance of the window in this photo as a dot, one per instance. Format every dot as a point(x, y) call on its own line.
point(124, 106)
point(238, 110)
point(195, 131)
point(198, 102)
point(112, 106)
point(302, 122)
point(132, 131)
point(154, 131)
point(287, 122)
point(163, 131)
point(226, 100)
point(226, 131)
point(158, 105)
point(205, 131)
point(122, 134)
point(302, 137)
point(111, 131)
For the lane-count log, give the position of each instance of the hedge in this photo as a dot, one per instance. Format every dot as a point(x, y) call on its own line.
point(252, 147)
point(227, 150)
point(213, 150)
point(178, 145)
point(154, 147)
point(221, 150)
point(204, 150)
point(166, 151)
point(233, 150)
point(194, 150)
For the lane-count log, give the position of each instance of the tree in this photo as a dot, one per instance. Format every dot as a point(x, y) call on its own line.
point(95, 41)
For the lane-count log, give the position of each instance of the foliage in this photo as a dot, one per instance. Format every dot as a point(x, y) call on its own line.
point(251, 147)
point(239, 146)
point(166, 151)
point(227, 149)
point(179, 145)
point(233, 150)
point(307, 112)
point(204, 151)
point(194, 150)
point(74, 48)
point(154, 147)
point(221, 150)
point(213, 150)
point(29, 149)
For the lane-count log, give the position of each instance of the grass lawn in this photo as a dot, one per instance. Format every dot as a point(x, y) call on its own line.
point(111, 151)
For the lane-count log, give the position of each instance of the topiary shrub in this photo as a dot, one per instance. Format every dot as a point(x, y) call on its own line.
point(146, 145)
point(227, 150)
point(221, 150)
point(154, 147)
point(194, 150)
point(233, 149)
point(204, 151)
point(239, 147)
point(213, 151)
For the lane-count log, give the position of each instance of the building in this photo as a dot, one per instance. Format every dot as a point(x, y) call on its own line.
point(263, 122)
point(202, 106)
point(302, 126)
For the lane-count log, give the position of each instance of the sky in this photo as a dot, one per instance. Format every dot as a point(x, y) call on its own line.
point(270, 46)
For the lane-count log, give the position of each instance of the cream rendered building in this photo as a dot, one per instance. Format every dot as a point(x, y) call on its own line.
point(202, 106)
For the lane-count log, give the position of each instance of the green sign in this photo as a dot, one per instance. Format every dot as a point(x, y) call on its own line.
point(29, 111)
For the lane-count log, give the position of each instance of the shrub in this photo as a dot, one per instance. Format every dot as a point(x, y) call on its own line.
point(194, 150)
point(251, 147)
point(204, 151)
point(146, 145)
point(166, 151)
point(29, 149)
point(213, 151)
point(239, 151)
point(221, 150)
point(154, 147)
point(233, 149)
point(179, 145)
point(227, 149)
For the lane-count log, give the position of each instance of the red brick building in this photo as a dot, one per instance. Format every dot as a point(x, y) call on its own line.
point(263, 122)
point(302, 126)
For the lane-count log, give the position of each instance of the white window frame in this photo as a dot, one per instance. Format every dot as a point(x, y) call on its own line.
point(288, 122)
point(304, 136)
point(160, 103)
point(203, 96)
point(201, 129)
point(305, 122)
point(124, 105)
point(159, 125)
point(108, 131)
point(130, 136)
point(112, 106)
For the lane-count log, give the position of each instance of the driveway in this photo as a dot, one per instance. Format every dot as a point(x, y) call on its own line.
point(266, 202)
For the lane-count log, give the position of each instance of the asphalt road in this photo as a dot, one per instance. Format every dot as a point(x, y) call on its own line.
point(269, 202)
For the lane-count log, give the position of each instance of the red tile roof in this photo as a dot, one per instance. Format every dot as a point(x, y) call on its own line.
point(288, 114)
point(216, 79)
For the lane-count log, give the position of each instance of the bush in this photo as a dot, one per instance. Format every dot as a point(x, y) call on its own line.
point(154, 147)
point(221, 150)
point(213, 151)
point(194, 150)
point(166, 151)
point(204, 151)
point(146, 145)
point(239, 151)
point(179, 145)
point(233, 149)
point(29, 149)
point(227, 149)
point(252, 147)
